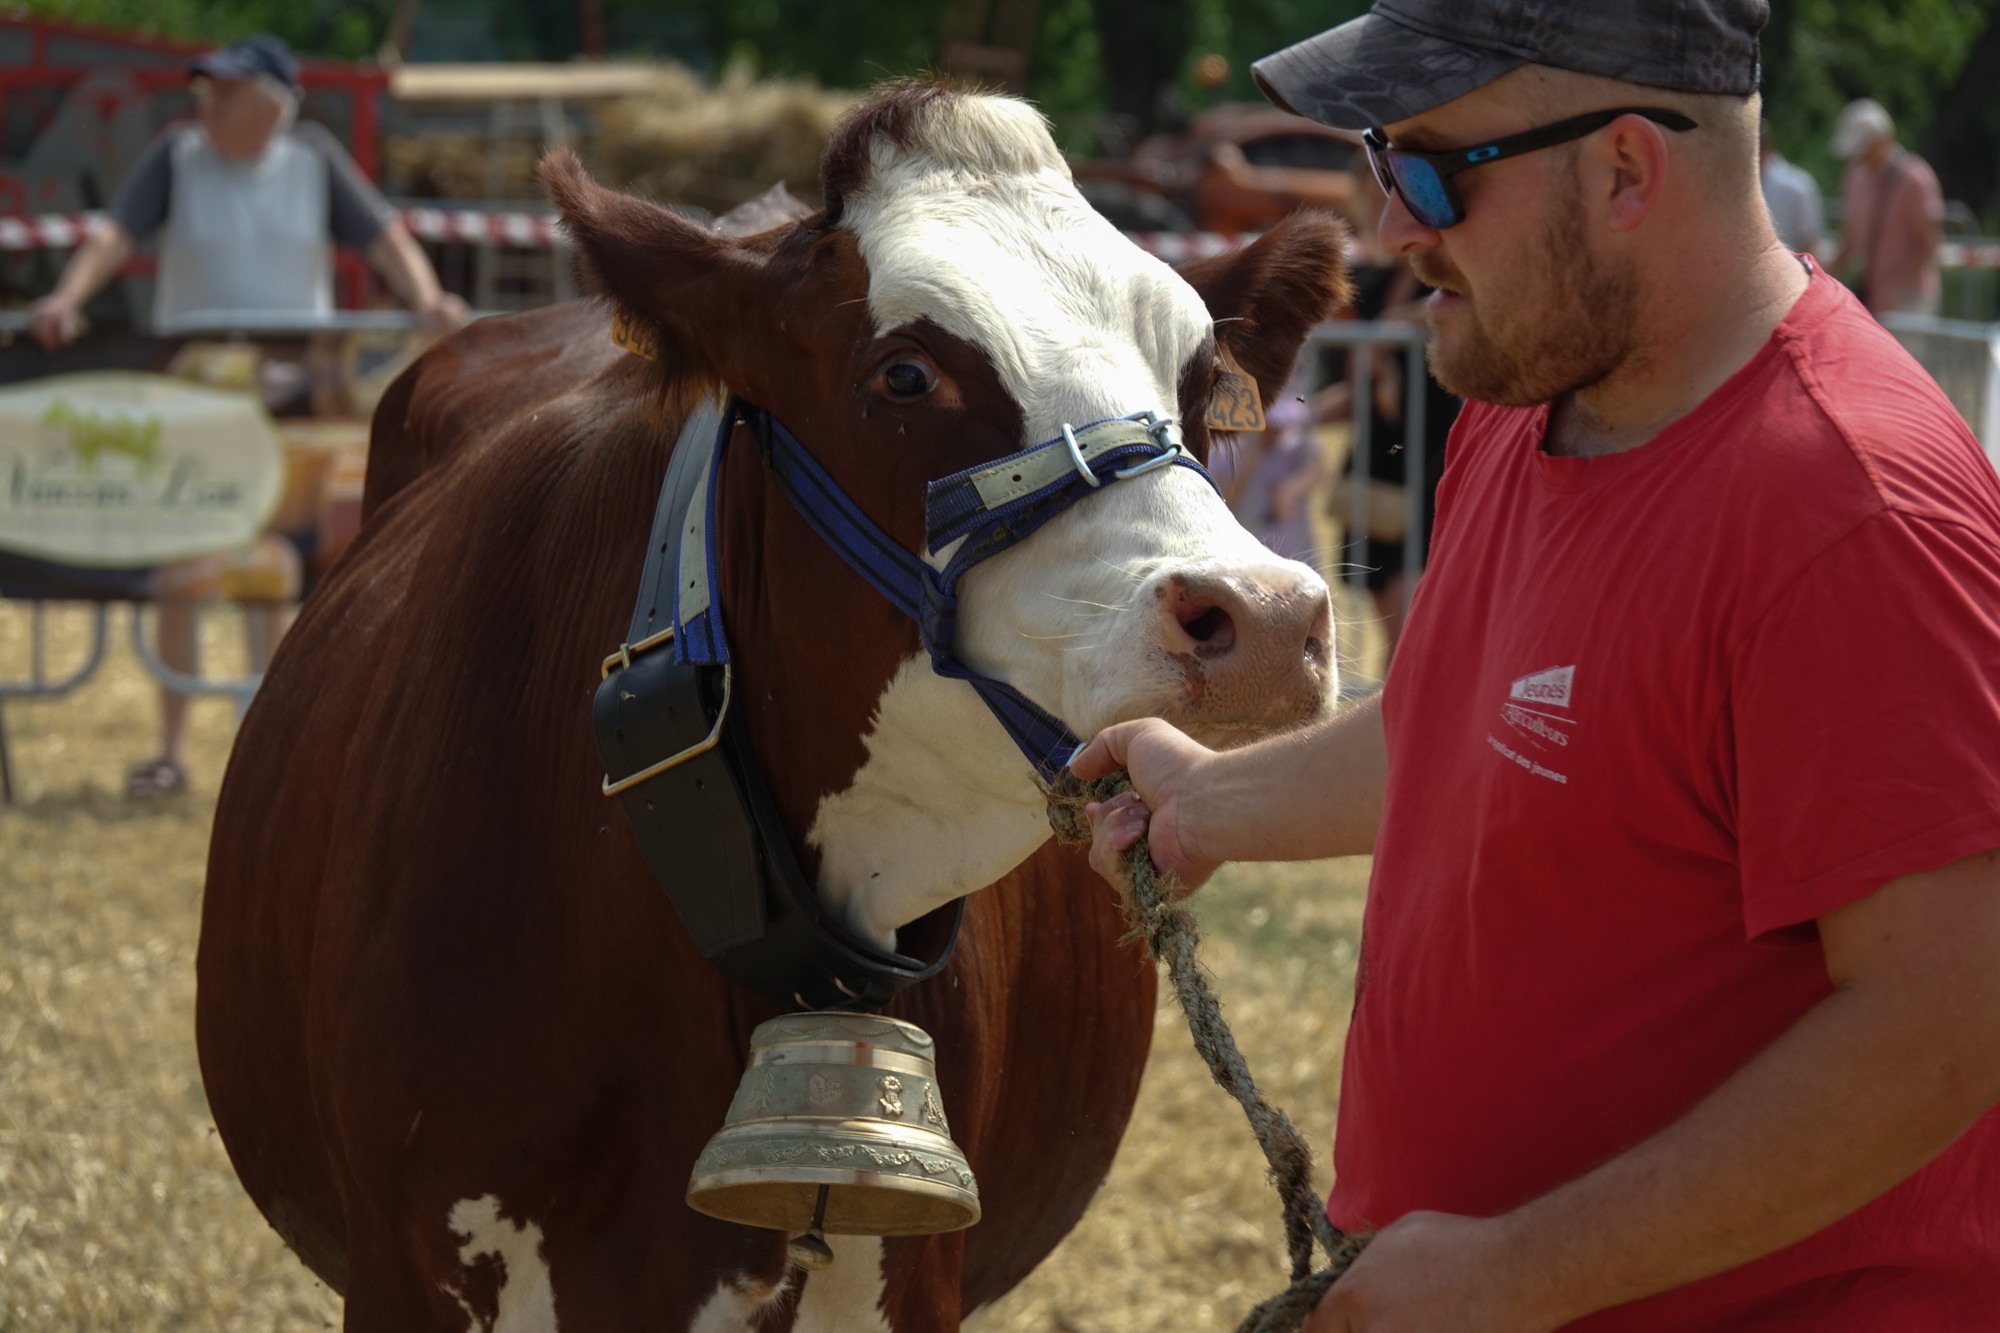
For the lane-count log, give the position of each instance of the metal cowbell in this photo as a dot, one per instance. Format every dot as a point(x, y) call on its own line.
point(837, 1126)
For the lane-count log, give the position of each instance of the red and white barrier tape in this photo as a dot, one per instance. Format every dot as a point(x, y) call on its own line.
point(532, 230)
point(45, 231)
point(538, 230)
point(1969, 254)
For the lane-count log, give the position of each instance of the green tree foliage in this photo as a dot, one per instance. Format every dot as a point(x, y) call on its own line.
point(1906, 54)
point(1064, 76)
point(1964, 140)
point(341, 29)
point(838, 45)
point(1242, 30)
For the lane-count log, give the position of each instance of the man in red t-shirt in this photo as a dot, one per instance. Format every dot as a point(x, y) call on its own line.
point(1679, 1001)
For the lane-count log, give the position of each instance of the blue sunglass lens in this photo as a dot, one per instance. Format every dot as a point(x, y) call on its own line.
point(1422, 189)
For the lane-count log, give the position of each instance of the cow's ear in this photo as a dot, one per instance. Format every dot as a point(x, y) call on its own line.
point(1267, 297)
point(660, 267)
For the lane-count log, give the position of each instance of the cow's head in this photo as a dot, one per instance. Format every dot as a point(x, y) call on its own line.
point(956, 301)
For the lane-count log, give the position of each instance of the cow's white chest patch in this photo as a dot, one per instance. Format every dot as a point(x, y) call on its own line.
point(944, 806)
point(846, 1296)
point(738, 1306)
point(527, 1300)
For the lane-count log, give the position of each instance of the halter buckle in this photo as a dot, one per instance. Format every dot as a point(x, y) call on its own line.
point(622, 659)
point(703, 746)
point(1166, 433)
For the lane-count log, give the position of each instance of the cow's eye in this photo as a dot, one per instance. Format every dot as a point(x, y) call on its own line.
point(908, 378)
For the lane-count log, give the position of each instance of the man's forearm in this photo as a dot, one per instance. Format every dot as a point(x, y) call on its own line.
point(94, 264)
point(400, 261)
point(1837, 1111)
point(1860, 1093)
point(1308, 793)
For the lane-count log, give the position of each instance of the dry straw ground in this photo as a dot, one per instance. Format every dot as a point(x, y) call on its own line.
point(118, 1210)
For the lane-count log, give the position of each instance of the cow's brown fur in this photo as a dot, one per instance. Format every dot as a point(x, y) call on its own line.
point(433, 963)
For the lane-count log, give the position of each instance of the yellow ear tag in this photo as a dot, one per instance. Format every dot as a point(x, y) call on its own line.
point(1235, 407)
point(634, 336)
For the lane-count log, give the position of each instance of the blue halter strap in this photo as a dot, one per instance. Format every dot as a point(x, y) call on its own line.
point(992, 507)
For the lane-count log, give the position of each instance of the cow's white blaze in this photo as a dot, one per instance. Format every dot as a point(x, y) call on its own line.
point(527, 1302)
point(977, 227)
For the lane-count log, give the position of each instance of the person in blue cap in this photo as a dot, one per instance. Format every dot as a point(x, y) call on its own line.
point(249, 205)
point(1678, 1000)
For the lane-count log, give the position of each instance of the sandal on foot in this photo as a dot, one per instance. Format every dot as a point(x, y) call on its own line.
point(157, 777)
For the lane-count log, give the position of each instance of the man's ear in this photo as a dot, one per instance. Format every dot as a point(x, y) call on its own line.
point(1266, 298)
point(1628, 164)
point(696, 291)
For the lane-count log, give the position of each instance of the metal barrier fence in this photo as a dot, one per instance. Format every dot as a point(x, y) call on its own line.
point(1964, 358)
point(1369, 336)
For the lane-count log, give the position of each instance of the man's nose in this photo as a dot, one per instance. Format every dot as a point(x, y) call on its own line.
point(1400, 231)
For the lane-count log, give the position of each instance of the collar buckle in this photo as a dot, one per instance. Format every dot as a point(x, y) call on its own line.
point(1166, 433)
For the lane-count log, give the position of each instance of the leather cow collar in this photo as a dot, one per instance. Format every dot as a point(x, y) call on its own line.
point(693, 793)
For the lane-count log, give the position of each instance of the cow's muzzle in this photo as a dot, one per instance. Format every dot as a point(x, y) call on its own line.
point(1252, 647)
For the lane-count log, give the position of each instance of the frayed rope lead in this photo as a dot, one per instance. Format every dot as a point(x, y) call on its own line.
point(1171, 936)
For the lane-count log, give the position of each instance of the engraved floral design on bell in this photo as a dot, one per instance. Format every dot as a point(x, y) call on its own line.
point(757, 1093)
point(934, 1110)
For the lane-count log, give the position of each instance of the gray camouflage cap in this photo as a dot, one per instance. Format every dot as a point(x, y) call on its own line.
point(1405, 57)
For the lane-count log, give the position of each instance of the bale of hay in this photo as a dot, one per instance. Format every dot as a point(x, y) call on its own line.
point(684, 141)
point(459, 165)
point(715, 147)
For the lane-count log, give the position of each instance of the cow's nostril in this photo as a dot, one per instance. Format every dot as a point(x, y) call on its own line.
point(1318, 634)
point(1210, 626)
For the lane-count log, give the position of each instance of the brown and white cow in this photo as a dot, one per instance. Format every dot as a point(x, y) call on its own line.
point(459, 1047)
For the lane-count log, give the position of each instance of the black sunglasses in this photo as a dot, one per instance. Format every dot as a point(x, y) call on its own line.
point(1424, 179)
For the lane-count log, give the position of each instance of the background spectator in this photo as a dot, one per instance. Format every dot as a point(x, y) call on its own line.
point(1791, 195)
point(248, 207)
point(1893, 215)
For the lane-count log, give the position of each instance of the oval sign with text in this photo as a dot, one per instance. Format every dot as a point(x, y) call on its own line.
point(121, 470)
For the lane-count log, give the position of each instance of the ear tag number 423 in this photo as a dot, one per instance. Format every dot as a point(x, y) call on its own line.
point(1235, 406)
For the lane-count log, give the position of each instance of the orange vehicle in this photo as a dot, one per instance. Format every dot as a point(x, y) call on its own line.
point(1236, 168)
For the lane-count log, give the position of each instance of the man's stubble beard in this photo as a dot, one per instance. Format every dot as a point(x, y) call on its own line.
point(1583, 330)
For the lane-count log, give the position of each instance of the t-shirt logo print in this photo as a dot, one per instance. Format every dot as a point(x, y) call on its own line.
point(1537, 715)
point(1545, 687)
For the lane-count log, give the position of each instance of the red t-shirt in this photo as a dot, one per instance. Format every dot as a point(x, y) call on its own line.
point(1655, 713)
